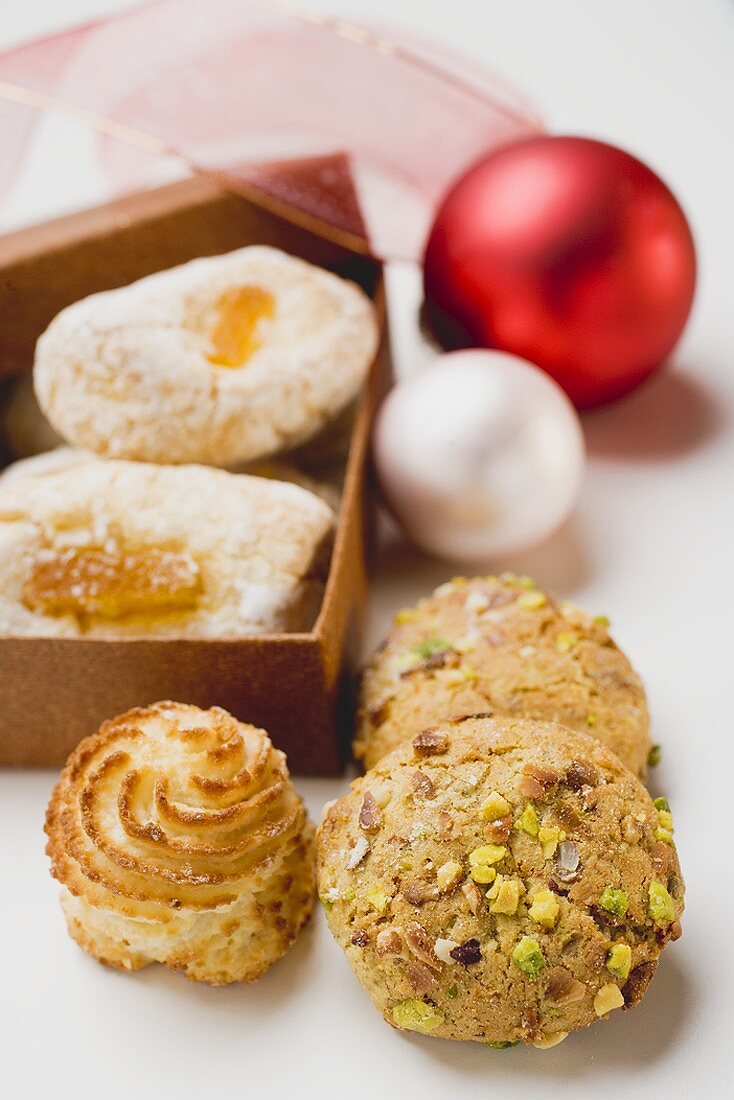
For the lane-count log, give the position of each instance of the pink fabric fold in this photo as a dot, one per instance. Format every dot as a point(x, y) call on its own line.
point(287, 104)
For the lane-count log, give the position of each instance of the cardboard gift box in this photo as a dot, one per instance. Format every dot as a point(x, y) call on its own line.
point(54, 691)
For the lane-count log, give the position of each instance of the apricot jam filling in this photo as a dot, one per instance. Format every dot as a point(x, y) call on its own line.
point(111, 583)
point(234, 337)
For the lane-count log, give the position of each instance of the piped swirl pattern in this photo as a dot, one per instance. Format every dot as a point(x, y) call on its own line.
point(178, 837)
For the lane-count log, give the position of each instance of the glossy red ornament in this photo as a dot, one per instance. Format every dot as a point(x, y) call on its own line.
point(568, 252)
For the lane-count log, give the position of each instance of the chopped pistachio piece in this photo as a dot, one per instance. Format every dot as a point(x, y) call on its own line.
point(654, 756)
point(495, 888)
point(452, 992)
point(327, 901)
point(494, 807)
point(488, 853)
point(614, 901)
point(522, 581)
point(406, 615)
point(619, 960)
point(550, 836)
point(660, 905)
point(507, 898)
point(429, 647)
point(502, 1045)
point(528, 820)
point(665, 821)
point(453, 677)
point(448, 875)
point(527, 955)
point(377, 898)
point(483, 875)
point(481, 860)
point(608, 997)
point(565, 642)
point(406, 661)
point(591, 720)
point(532, 601)
point(602, 620)
point(416, 1015)
point(544, 909)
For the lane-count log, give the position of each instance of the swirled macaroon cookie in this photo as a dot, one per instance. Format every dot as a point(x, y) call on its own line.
point(219, 361)
point(501, 644)
point(124, 548)
point(500, 880)
point(178, 838)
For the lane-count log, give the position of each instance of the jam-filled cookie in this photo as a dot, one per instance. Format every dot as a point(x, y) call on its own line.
point(178, 838)
point(218, 361)
point(501, 644)
point(501, 881)
point(123, 548)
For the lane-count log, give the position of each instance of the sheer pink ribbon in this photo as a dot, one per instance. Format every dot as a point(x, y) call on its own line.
point(354, 133)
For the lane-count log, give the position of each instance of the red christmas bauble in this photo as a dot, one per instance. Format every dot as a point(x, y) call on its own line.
point(567, 252)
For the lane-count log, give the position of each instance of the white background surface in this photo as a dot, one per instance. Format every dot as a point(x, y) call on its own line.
point(651, 544)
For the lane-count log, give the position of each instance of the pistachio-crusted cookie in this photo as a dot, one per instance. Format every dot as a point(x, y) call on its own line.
point(178, 838)
point(327, 487)
point(500, 880)
point(501, 644)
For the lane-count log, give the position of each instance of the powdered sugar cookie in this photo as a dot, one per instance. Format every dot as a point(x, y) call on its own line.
point(219, 361)
point(48, 462)
point(63, 458)
point(119, 548)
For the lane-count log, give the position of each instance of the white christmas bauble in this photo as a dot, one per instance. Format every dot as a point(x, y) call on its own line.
point(479, 454)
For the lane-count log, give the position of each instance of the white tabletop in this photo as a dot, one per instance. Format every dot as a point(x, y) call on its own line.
point(651, 545)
